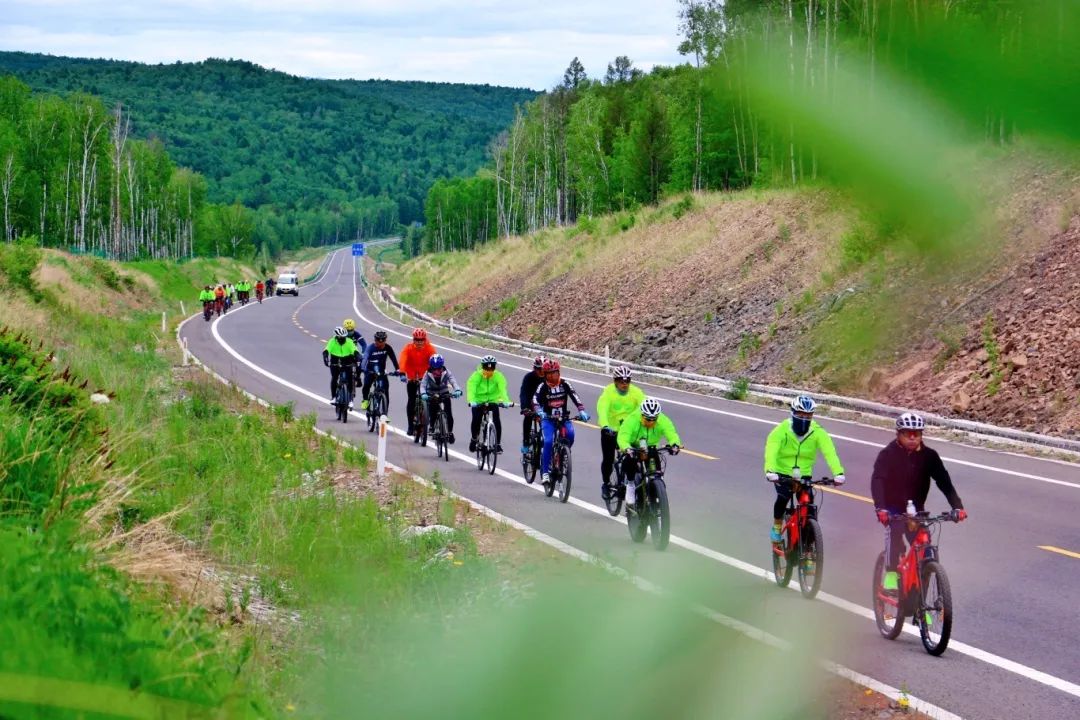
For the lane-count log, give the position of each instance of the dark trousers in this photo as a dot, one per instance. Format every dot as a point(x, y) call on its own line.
point(895, 534)
point(432, 408)
point(609, 445)
point(784, 490)
point(344, 370)
point(369, 378)
point(526, 428)
point(478, 417)
point(412, 388)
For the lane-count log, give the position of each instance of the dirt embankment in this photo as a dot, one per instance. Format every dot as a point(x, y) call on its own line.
point(760, 284)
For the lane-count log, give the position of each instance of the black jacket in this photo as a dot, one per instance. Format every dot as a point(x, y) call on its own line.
point(900, 476)
point(529, 383)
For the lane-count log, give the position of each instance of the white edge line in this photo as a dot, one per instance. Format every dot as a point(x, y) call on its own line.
point(750, 631)
point(836, 601)
point(740, 416)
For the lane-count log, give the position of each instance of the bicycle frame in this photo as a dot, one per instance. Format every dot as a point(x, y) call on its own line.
point(801, 511)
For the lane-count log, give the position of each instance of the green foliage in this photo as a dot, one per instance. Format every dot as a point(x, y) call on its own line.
point(740, 387)
point(683, 206)
point(19, 260)
point(858, 245)
point(749, 343)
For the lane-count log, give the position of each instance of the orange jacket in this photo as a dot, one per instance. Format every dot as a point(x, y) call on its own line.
point(414, 360)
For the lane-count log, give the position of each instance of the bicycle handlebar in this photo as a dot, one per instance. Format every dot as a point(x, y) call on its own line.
point(805, 481)
point(925, 517)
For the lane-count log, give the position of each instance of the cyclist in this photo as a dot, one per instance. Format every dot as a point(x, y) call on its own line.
point(550, 402)
point(206, 296)
point(350, 329)
point(340, 355)
point(486, 386)
point(260, 290)
point(618, 401)
point(648, 424)
point(902, 472)
point(439, 386)
point(230, 295)
point(529, 383)
point(793, 445)
point(414, 361)
point(219, 299)
point(270, 283)
point(373, 365)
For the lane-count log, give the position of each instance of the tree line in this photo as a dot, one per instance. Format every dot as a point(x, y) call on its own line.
point(73, 176)
point(775, 92)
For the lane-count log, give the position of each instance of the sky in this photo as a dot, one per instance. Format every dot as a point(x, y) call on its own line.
point(516, 43)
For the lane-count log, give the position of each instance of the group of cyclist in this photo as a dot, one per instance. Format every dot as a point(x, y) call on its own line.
point(219, 298)
point(626, 416)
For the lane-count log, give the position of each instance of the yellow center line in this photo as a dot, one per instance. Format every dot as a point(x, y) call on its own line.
point(703, 456)
point(1060, 551)
point(846, 494)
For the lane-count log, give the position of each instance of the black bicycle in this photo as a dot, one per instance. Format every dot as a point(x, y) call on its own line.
point(530, 460)
point(802, 544)
point(207, 309)
point(378, 398)
point(650, 511)
point(343, 393)
point(440, 431)
point(562, 466)
point(487, 442)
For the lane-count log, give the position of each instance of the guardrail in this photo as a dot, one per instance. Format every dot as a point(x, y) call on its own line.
point(765, 391)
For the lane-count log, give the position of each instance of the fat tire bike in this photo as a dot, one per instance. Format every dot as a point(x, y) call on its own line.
point(650, 512)
point(487, 440)
point(802, 544)
point(924, 593)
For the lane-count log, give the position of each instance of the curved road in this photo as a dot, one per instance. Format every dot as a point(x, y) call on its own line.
point(1014, 652)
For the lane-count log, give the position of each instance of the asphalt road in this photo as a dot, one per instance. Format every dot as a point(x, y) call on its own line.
point(1015, 651)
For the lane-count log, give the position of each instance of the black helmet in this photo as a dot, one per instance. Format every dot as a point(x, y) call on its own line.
point(380, 335)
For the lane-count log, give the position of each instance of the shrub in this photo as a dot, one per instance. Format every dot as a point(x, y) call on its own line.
point(685, 205)
point(19, 260)
point(739, 388)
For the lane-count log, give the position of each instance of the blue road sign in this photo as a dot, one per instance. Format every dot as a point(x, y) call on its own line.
point(358, 249)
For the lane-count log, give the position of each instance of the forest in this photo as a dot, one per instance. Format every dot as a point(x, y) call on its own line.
point(857, 93)
point(224, 156)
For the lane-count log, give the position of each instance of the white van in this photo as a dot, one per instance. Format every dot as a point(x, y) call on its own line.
point(287, 283)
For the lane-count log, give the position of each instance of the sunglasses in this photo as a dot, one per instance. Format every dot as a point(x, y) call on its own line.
point(622, 382)
point(488, 367)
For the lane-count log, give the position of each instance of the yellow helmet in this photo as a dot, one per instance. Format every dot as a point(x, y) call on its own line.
point(349, 324)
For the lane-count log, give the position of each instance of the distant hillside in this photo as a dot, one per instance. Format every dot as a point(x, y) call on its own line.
point(264, 137)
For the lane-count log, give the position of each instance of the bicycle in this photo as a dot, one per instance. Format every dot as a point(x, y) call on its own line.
point(562, 468)
point(488, 438)
point(530, 461)
point(259, 296)
point(343, 392)
point(650, 511)
point(440, 433)
point(207, 309)
point(924, 591)
point(614, 494)
point(378, 398)
point(802, 544)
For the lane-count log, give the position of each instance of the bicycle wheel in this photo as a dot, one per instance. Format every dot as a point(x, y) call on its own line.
point(444, 436)
point(637, 520)
point(549, 489)
point(490, 441)
point(481, 455)
point(887, 615)
point(567, 474)
point(811, 558)
point(935, 610)
point(421, 417)
point(659, 515)
point(783, 556)
point(613, 500)
point(528, 467)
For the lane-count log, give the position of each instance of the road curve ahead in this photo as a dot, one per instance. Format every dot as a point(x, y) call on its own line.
point(1014, 566)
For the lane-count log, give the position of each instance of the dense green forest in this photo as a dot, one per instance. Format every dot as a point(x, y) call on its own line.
point(869, 95)
point(281, 161)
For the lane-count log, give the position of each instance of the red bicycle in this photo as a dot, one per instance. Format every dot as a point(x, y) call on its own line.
point(802, 543)
point(924, 591)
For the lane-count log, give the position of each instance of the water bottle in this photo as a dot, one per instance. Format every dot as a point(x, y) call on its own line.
point(910, 507)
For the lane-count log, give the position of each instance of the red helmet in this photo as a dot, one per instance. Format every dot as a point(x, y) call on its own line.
point(419, 334)
point(551, 366)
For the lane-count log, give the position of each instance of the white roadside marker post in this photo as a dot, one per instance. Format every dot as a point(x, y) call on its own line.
point(183, 310)
point(187, 353)
point(163, 328)
point(380, 464)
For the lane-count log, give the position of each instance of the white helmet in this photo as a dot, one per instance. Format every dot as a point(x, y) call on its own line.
point(339, 332)
point(803, 403)
point(650, 409)
point(621, 373)
point(910, 421)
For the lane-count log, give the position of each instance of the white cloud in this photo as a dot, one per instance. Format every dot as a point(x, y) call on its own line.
point(525, 44)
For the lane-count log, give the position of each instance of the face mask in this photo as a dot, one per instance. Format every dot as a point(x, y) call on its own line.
point(800, 426)
point(487, 374)
point(648, 423)
point(341, 340)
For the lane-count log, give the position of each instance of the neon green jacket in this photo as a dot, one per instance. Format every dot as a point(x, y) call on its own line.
point(632, 431)
point(613, 407)
point(205, 295)
point(785, 450)
point(486, 390)
point(342, 350)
